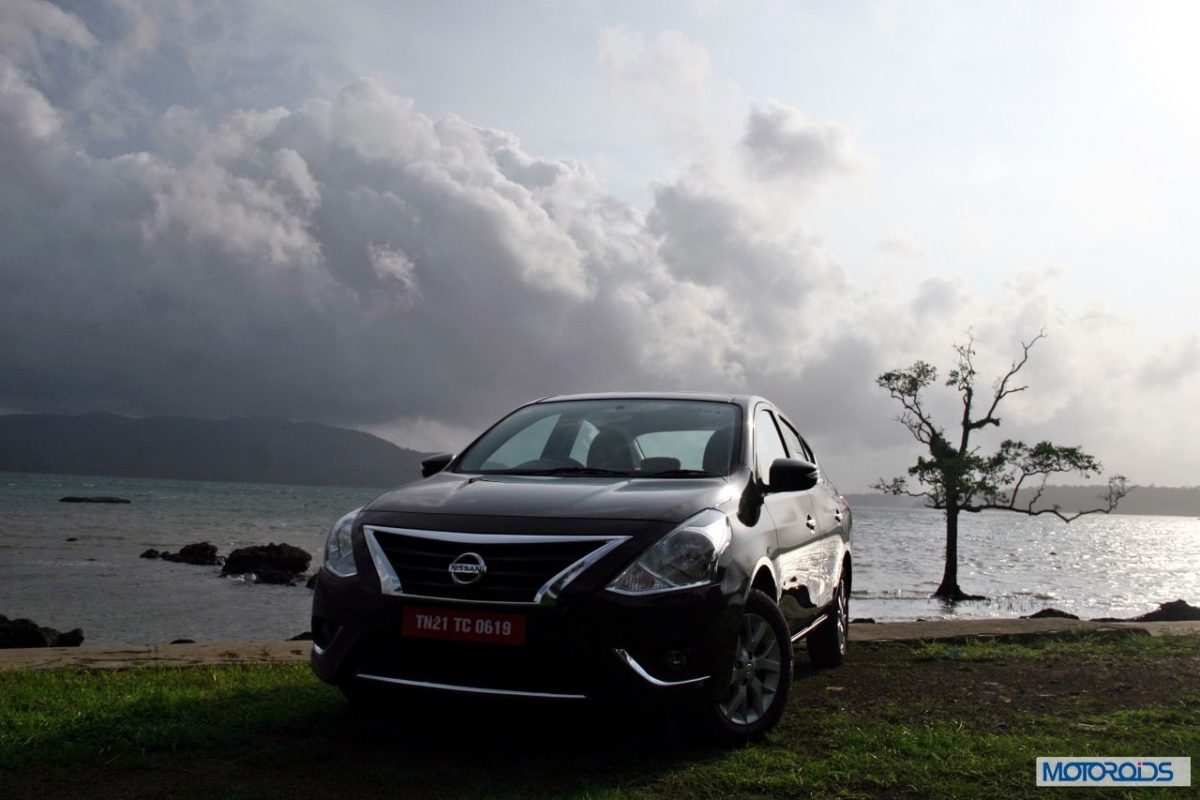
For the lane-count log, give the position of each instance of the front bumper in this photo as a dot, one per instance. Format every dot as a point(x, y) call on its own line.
point(593, 644)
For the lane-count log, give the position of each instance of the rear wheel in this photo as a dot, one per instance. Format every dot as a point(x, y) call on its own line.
point(757, 691)
point(827, 644)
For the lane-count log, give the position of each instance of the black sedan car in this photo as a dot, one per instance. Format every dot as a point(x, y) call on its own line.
point(598, 546)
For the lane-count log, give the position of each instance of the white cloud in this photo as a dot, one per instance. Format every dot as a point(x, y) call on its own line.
point(29, 28)
point(782, 144)
point(28, 117)
point(663, 85)
point(902, 247)
point(1175, 363)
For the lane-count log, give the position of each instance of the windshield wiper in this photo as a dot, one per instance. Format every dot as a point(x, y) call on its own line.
point(681, 473)
point(582, 471)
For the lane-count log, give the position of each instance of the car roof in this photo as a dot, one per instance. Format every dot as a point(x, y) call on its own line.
point(746, 401)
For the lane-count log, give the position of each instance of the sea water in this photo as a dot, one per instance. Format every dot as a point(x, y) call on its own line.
point(1099, 565)
point(68, 565)
point(77, 565)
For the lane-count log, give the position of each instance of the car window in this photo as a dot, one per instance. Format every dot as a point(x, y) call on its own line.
point(583, 441)
point(526, 445)
point(795, 442)
point(686, 447)
point(640, 437)
point(767, 444)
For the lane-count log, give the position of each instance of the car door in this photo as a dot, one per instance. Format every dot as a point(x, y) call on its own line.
point(831, 518)
point(795, 525)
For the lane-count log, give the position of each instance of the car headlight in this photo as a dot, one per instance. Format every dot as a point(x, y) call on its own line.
point(687, 556)
point(339, 555)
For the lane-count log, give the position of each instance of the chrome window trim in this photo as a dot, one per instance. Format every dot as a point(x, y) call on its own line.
point(546, 595)
point(632, 663)
point(451, 687)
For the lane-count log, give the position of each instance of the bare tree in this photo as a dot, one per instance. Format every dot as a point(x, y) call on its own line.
point(956, 477)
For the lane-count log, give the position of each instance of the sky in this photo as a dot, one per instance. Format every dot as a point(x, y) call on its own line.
point(409, 218)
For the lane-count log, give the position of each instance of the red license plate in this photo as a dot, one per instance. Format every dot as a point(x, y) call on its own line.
point(494, 627)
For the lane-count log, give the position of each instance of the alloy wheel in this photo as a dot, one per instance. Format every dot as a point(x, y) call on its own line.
point(843, 616)
point(756, 672)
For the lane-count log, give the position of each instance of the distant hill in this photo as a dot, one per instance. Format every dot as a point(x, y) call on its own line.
point(253, 450)
point(1179, 501)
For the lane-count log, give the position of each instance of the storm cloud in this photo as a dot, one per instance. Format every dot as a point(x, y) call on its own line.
point(346, 258)
point(354, 260)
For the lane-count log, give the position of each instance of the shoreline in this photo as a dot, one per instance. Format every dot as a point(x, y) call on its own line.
point(228, 653)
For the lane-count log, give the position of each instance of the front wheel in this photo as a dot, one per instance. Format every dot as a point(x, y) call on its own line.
point(757, 691)
point(827, 644)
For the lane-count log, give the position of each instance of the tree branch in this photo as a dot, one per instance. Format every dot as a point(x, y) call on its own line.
point(1001, 389)
point(963, 378)
point(898, 487)
point(904, 386)
point(1117, 489)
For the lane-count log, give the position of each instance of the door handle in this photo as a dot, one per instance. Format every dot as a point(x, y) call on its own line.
point(811, 523)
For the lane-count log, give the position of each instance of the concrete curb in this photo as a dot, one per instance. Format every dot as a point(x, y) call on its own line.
point(155, 655)
point(941, 630)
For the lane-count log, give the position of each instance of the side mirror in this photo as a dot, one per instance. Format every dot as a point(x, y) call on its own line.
point(435, 464)
point(792, 475)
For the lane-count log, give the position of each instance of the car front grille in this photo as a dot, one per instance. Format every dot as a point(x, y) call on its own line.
point(517, 569)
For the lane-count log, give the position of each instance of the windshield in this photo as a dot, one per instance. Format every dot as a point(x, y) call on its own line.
point(630, 438)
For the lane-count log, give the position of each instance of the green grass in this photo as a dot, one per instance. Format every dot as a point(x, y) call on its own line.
point(1125, 642)
point(896, 721)
point(74, 716)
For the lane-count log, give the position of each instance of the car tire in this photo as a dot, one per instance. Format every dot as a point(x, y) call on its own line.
point(827, 644)
point(761, 676)
point(364, 700)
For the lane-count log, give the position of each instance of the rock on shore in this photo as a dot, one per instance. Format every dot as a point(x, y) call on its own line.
point(1051, 613)
point(27, 633)
point(201, 553)
point(92, 499)
point(272, 563)
point(1173, 611)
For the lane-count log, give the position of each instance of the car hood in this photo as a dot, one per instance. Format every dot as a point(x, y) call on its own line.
point(660, 500)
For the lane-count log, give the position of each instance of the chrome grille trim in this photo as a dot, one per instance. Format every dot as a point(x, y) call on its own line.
point(389, 581)
point(546, 595)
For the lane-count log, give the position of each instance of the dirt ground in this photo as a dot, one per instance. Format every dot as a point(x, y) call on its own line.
point(993, 692)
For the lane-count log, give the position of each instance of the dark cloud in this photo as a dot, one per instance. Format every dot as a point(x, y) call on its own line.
point(342, 257)
point(355, 261)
